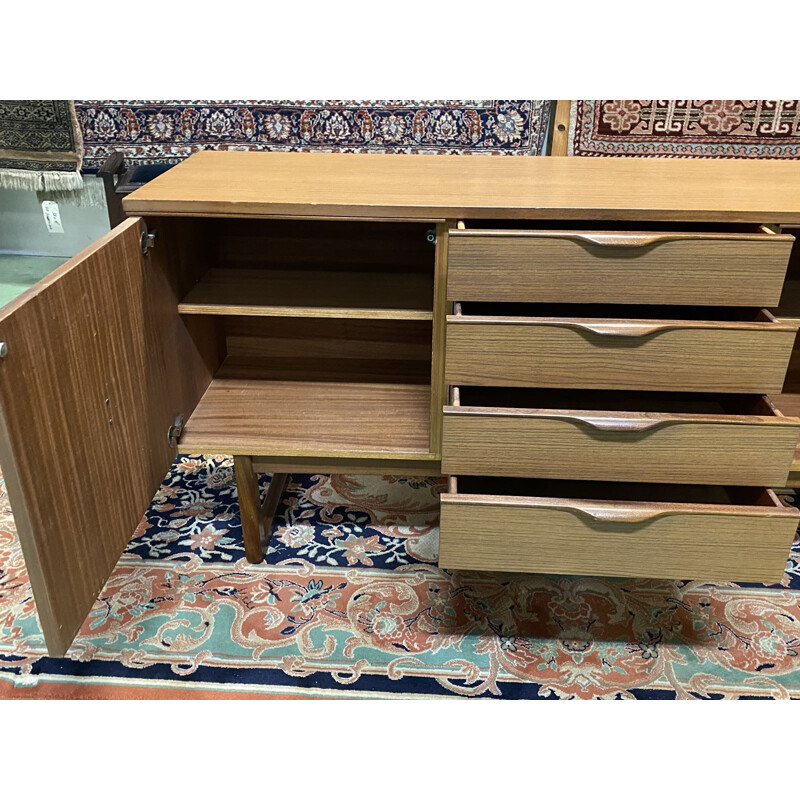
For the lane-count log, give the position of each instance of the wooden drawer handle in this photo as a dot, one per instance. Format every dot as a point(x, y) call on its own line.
point(629, 330)
point(624, 328)
point(619, 424)
point(627, 239)
point(630, 515)
point(627, 515)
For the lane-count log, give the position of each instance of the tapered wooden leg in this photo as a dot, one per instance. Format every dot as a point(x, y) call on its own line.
point(257, 519)
point(249, 508)
point(271, 501)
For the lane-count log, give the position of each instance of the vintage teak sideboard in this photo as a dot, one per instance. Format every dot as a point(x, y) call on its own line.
point(582, 345)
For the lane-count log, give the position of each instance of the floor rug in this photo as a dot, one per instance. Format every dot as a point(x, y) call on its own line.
point(40, 145)
point(151, 131)
point(350, 603)
point(686, 128)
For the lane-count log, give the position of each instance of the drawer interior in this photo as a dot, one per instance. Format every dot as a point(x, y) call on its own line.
point(611, 225)
point(599, 400)
point(625, 312)
point(620, 492)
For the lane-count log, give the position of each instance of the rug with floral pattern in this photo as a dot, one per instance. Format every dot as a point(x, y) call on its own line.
point(350, 603)
point(167, 131)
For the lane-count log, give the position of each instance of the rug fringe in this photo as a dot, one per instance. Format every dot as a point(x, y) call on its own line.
point(40, 181)
point(92, 194)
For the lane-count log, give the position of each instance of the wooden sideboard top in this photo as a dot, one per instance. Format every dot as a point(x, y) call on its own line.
point(377, 186)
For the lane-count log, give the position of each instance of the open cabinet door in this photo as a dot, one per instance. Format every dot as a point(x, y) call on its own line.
point(97, 365)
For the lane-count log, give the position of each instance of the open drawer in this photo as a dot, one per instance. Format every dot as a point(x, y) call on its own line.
point(617, 347)
point(618, 436)
point(735, 268)
point(634, 530)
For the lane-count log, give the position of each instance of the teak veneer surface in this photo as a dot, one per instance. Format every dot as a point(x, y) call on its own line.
point(556, 266)
point(413, 467)
point(622, 446)
point(379, 186)
point(98, 365)
point(308, 418)
point(789, 405)
point(593, 353)
point(709, 539)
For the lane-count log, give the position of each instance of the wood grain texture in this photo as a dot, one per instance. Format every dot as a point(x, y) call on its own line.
point(329, 293)
point(446, 187)
point(98, 365)
point(788, 404)
point(685, 355)
point(249, 508)
point(731, 269)
point(296, 339)
point(409, 467)
point(674, 541)
point(619, 446)
point(440, 311)
point(308, 418)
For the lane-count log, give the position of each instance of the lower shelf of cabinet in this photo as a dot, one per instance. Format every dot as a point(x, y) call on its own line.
point(310, 419)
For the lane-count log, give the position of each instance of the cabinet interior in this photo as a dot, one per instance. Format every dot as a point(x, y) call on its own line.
point(319, 334)
point(305, 268)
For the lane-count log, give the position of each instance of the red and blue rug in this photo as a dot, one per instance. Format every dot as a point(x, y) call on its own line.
point(686, 128)
point(350, 603)
point(166, 132)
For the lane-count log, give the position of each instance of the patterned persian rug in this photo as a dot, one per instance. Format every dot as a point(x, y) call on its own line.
point(685, 128)
point(40, 145)
point(149, 131)
point(349, 603)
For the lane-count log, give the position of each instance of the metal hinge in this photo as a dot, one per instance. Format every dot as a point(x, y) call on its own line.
point(175, 430)
point(430, 236)
point(148, 242)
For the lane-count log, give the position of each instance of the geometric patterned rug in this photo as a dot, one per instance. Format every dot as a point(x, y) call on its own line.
point(167, 131)
point(350, 603)
point(686, 128)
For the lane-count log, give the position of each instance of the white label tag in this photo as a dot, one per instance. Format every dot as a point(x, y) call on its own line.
point(52, 216)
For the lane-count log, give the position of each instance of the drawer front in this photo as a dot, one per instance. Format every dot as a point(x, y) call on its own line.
point(619, 446)
point(672, 541)
point(601, 267)
point(605, 354)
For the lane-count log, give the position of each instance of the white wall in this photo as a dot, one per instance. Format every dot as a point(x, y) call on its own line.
point(22, 228)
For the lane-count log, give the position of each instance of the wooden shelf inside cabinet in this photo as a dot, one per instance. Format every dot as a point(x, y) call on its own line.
point(332, 293)
point(243, 415)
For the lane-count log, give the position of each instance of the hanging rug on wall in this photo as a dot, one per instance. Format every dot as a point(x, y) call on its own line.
point(41, 147)
point(686, 128)
point(167, 131)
